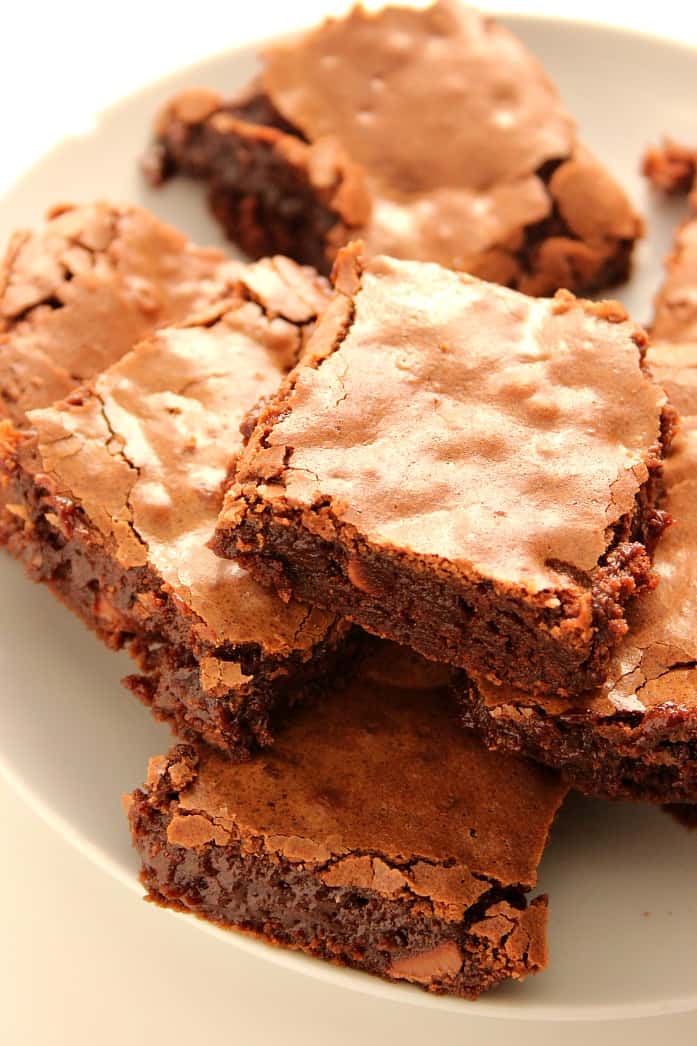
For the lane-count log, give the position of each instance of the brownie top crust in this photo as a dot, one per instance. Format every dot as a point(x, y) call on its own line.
point(472, 120)
point(657, 663)
point(380, 790)
point(145, 448)
point(80, 291)
point(443, 416)
point(675, 316)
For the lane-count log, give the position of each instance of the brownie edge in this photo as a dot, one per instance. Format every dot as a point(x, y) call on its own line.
point(485, 172)
point(297, 846)
point(420, 490)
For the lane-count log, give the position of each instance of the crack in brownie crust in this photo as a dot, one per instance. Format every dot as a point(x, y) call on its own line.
point(295, 846)
point(636, 736)
point(113, 494)
point(487, 177)
point(81, 291)
point(409, 473)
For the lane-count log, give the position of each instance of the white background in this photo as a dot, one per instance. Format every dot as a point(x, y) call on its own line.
point(80, 961)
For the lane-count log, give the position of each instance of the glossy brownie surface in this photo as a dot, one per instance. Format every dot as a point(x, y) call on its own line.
point(484, 171)
point(636, 735)
point(371, 834)
point(117, 491)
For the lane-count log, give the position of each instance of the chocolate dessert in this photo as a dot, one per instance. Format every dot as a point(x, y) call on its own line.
point(372, 834)
point(430, 134)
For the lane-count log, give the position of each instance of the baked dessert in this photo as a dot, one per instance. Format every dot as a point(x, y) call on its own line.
point(636, 735)
point(462, 469)
point(484, 170)
point(672, 168)
point(371, 834)
point(80, 291)
point(117, 492)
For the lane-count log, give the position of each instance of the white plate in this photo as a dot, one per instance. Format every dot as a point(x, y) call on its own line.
point(622, 878)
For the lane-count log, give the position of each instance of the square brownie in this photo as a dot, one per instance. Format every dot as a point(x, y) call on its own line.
point(484, 171)
point(372, 834)
point(117, 490)
point(461, 469)
point(636, 736)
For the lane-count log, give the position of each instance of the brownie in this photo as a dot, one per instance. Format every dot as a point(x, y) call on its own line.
point(484, 171)
point(670, 166)
point(635, 736)
point(371, 834)
point(118, 489)
point(79, 292)
point(462, 469)
point(685, 815)
point(673, 168)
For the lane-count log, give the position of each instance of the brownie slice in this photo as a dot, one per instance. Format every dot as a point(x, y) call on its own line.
point(372, 834)
point(461, 469)
point(482, 170)
point(672, 168)
point(272, 191)
point(636, 735)
point(79, 292)
point(118, 490)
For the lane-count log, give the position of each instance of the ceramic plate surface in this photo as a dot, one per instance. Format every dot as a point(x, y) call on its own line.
point(622, 878)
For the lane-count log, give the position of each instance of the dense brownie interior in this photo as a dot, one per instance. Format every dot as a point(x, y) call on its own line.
point(488, 176)
point(288, 906)
point(370, 834)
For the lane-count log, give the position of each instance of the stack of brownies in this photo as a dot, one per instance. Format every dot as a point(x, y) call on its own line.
point(373, 544)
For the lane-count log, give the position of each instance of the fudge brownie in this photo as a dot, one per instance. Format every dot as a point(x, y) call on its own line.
point(371, 834)
point(431, 134)
point(636, 735)
point(118, 490)
point(462, 469)
point(672, 169)
point(80, 292)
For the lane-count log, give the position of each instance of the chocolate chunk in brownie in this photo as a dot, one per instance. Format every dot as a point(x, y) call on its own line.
point(117, 492)
point(431, 134)
point(372, 834)
point(78, 293)
point(636, 735)
point(462, 469)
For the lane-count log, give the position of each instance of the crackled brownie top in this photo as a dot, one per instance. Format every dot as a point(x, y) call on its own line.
point(670, 166)
point(447, 417)
point(79, 292)
point(144, 450)
point(471, 119)
point(380, 791)
point(657, 663)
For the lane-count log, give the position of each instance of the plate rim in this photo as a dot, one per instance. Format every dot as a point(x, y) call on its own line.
point(354, 980)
